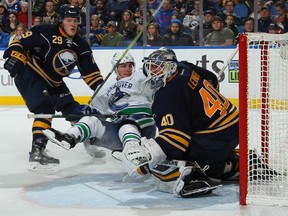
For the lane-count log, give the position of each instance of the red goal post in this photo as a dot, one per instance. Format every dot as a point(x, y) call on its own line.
point(263, 111)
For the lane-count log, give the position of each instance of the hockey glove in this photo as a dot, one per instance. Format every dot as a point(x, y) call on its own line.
point(84, 109)
point(15, 63)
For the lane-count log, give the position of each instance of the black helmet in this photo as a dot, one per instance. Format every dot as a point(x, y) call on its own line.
point(68, 11)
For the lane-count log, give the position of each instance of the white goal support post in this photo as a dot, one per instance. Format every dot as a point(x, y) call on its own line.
point(263, 111)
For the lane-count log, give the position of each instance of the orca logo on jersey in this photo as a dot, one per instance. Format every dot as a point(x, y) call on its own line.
point(64, 62)
point(118, 100)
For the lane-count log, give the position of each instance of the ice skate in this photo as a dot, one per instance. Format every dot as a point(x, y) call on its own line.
point(39, 160)
point(92, 149)
point(66, 141)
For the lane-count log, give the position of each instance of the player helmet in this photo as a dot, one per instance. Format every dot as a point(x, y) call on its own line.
point(160, 66)
point(67, 10)
point(127, 58)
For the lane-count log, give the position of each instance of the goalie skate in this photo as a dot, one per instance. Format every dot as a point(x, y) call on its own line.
point(63, 140)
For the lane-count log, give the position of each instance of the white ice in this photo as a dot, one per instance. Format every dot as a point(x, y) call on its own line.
point(85, 186)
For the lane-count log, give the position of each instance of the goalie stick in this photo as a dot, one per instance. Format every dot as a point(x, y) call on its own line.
point(124, 53)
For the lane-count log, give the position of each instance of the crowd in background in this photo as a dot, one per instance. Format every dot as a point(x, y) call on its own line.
point(117, 22)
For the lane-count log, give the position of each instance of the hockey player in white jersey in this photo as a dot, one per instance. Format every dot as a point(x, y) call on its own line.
point(130, 97)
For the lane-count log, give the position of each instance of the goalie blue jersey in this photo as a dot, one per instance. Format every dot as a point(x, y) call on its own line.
point(190, 111)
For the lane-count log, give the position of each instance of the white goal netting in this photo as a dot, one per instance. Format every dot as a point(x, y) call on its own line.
point(266, 117)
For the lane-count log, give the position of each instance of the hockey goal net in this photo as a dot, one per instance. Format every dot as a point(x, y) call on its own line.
point(263, 106)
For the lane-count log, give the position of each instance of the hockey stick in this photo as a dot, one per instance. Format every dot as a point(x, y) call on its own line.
point(80, 116)
point(125, 52)
point(221, 72)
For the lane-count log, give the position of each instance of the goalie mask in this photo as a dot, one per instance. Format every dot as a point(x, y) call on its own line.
point(128, 58)
point(159, 66)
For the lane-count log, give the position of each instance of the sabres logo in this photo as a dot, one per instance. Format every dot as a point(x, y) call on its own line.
point(64, 62)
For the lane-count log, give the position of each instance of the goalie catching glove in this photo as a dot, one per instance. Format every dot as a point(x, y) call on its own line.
point(139, 158)
point(15, 63)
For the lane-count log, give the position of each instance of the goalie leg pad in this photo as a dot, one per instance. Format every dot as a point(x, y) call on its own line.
point(157, 154)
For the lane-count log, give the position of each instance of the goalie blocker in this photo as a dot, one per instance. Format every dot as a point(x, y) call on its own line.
point(183, 179)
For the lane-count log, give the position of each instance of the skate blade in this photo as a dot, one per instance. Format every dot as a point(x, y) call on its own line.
point(36, 166)
point(51, 136)
point(117, 154)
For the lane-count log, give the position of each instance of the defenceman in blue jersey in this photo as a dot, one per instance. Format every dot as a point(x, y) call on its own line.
point(38, 62)
point(198, 129)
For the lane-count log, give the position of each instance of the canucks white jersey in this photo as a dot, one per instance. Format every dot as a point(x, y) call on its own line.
point(130, 95)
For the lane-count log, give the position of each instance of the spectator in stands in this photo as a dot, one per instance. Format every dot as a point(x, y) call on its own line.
point(37, 20)
point(4, 38)
point(20, 29)
point(177, 37)
point(249, 25)
point(23, 14)
point(13, 22)
point(281, 18)
point(50, 15)
point(75, 3)
point(112, 38)
point(127, 27)
point(260, 4)
point(153, 5)
point(207, 26)
point(100, 11)
point(220, 36)
point(38, 7)
point(182, 7)
point(274, 29)
point(153, 36)
point(140, 20)
point(138, 13)
point(191, 19)
point(229, 23)
point(4, 14)
point(163, 17)
point(96, 31)
point(265, 20)
point(12, 5)
point(116, 8)
point(196, 10)
point(229, 10)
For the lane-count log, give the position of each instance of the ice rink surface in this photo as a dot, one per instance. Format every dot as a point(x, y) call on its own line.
point(84, 186)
